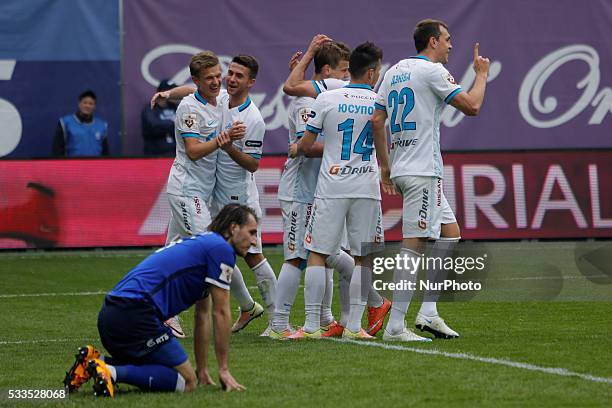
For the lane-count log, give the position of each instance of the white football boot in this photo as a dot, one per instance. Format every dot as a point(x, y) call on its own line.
point(405, 335)
point(435, 325)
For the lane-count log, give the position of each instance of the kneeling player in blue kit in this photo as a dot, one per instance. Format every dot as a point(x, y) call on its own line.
point(143, 352)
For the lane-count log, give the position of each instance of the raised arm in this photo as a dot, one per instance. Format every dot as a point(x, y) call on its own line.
point(470, 102)
point(295, 85)
point(175, 93)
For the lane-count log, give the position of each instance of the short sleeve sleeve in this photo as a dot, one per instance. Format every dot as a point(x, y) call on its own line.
point(302, 114)
point(381, 97)
point(186, 121)
point(220, 266)
point(443, 84)
point(317, 114)
point(253, 141)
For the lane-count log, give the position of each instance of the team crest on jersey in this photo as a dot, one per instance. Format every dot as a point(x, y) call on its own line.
point(226, 273)
point(450, 79)
point(190, 120)
point(305, 114)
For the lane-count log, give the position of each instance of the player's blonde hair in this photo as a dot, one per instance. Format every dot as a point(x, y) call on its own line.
point(202, 60)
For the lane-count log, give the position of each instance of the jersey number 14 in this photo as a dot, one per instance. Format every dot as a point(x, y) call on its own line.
point(363, 144)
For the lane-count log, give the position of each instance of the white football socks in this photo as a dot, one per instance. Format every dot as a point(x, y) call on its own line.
point(314, 290)
point(286, 290)
point(361, 281)
point(441, 248)
point(401, 298)
point(327, 316)
point(240, 292)
point(344, 264)
point(374, 298)
point(266, 283)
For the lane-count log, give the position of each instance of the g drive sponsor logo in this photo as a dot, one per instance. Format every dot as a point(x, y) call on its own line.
point(185, 216)
point(337, 170)
point(404, 143)
point(380, 232)
point(157, 341)
point(292, 231)
point(424, 210)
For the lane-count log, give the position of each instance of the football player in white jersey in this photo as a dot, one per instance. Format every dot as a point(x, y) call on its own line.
point(236, 164)
point(191, 179)
point(296, 195)
point(250, 308)
point(296, 191)
point(347, 189)
point(412, 95)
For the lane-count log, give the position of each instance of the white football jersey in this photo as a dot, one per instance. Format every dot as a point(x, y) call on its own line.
point(233, 181)
point(413, 93)
point(299, 179)
point(299, 109)
point(349, 168)
point(328, 84)
point(196, 118)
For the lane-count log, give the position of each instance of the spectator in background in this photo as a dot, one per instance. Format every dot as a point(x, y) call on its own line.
point(158, 125)
point(81, 133)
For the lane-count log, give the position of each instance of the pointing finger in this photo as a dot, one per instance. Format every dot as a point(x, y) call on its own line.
point(476, 46)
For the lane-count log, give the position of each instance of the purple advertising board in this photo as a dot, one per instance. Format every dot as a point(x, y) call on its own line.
point(550, 84)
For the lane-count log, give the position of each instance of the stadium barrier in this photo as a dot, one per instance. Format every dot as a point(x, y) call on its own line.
point(122, 202)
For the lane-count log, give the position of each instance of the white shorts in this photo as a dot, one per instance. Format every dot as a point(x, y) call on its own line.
point(363, 218)
point(215, 208)
point(425, 208)
point(295, 219)
point(189, 216)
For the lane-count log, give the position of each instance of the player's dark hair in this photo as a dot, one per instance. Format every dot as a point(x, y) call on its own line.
point(247, 61)
point(202, 60)
point(365, 56)
point(331, 54)
point(424, 30)
point(87, 94)
point(231, 214)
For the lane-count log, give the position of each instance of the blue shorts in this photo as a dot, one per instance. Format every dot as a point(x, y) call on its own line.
point(133, 333)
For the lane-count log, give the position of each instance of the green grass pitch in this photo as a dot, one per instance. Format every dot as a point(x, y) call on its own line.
point(555, 352)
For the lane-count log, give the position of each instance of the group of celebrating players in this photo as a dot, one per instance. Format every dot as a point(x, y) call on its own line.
point(330, 199)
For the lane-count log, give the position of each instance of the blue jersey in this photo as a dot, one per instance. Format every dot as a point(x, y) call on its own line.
point(178, 275)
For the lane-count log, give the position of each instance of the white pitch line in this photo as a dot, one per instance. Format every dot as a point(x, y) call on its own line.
point(464, 356)
point(25, 295)
point(54, 294)
point(9, 342)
